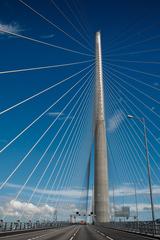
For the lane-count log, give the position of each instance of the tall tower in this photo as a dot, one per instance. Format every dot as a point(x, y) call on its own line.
point(101, 196)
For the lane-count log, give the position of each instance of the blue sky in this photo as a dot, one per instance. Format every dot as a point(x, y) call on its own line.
point(130, 33)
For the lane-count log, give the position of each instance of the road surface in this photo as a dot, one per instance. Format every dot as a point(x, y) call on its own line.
point(76, 233)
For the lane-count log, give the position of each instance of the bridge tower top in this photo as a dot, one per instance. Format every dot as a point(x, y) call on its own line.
point(100, 113)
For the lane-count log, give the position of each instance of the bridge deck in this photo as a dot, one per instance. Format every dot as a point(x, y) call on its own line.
point(77, 233)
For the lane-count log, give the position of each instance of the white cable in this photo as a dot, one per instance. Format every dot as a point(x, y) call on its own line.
point(82, 16)
point(68, 20)
point(131, 153)
point(142, 113)
point(43, 43)
point(135, 52)
point(156, 152)
point(75, 16)
point(135, 43)
point(119, 39)
point(69, 157)
point(136, 34)
point(51, 143)
point(17, 167)
point(141, 150)
point(131, 142)
point(137, 71)
point(133, 61)
point(55, 150)
point(131, 156)
point(71, 170)
point(136, 123)
point(46, 185)
point(46, 152)
point(140, 102)
point(54, 25)
point(43, 67)
point(41, 92)
point(41, 115)
point(45, 188)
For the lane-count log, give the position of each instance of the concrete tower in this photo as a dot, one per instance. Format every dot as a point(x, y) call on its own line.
point(101, 197)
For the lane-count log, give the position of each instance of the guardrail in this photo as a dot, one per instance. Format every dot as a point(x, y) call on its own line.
point(142, 227)
point(18, 226)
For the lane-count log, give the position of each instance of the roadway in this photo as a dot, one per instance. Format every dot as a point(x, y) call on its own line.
point(76, 233)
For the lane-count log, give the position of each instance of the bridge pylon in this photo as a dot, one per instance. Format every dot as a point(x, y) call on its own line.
point(101, 195)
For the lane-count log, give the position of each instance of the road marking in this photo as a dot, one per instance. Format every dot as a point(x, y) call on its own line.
point(29, 232)
point(104, 235)
point(19, 234)
point(25, 233)
point(74, 235)
point(38, 236)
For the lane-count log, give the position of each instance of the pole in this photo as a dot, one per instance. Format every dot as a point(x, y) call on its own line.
point(88, 178)
point(137, 215)
point(148, 168)
point(149, 173)
point(113, 205)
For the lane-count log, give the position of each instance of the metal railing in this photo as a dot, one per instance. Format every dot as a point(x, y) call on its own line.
point(22, 226)
point(143, 227)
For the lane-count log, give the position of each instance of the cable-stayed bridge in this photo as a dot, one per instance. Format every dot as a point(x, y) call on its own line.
point(79, 118)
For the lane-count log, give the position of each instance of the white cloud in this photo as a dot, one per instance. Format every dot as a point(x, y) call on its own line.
point(69, 203)
point(48, 36)
point(69, 193)
point(115, 121)
point(23, 210)
point(16, 208)
point(11, 27)
point(66, 193)
point(12, 185)
point(55, 114)
point(124, 190)
point(141, 207)
point(130, 191)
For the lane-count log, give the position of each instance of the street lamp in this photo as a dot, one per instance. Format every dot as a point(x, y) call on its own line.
point(130, 116)
point(142, 120)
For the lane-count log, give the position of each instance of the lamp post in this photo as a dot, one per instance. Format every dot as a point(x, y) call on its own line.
point(137, 215)
point(142, 120)
point(113, 205)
